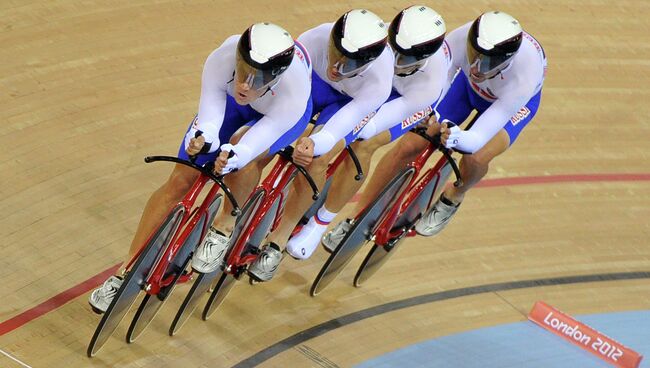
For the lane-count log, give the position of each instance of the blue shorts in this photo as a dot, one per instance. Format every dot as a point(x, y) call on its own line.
point(327, 101)
point(461, 99)
point(237, 116)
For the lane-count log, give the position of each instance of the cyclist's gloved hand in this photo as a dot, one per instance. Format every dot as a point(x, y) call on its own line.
point(194, 145)
point(303, 154)
point(197, 141)
point(450, 136)
point(227, 161)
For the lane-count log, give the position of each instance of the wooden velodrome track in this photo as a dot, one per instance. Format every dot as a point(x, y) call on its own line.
point(90, 88)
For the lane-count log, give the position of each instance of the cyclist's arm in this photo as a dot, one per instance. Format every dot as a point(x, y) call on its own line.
point(217, 72)
point(494, 118)
point(375, 91)
point(423, 90)
point(284, 114)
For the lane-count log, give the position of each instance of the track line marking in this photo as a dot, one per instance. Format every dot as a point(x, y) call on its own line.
point(85, 286)
point(14, 359)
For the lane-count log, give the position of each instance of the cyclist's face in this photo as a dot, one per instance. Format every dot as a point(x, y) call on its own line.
point(243, 94)
point(475, 75)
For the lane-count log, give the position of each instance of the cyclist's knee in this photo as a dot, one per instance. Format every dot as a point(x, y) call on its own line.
point(409, 147)
point(179, 183)
point(475, 161)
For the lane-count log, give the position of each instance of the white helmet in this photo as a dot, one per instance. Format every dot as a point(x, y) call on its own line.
point(492, 41)
point(357, 38)
point(415, 33)
point(264, 51)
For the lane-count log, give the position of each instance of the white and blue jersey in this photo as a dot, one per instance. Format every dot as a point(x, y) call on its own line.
point(413, 97)
point(342, 105)
point(276, 119)
point(507, 101)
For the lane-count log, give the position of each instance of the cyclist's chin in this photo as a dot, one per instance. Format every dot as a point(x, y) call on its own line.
point(244, 98)
point(477, 77)
point(334, 76)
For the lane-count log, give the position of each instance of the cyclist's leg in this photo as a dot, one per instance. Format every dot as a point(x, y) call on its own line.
point(209, 254)
point(300, 195)
point(244, 181)
point(344, 186)
point(474, 167)
point(155, 210)
point(299, 198)
point(326, 102)
point(241, 184)
point(455, 106)
point(170, 193)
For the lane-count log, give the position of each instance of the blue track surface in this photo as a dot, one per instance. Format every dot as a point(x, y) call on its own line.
point(521, 344)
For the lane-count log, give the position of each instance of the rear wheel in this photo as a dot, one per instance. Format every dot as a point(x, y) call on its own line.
point(134, 280)
point(227, 280)
point(376, 257)
point(378, 254)
point(361, 231)
point(221, 290)
point(203, 282)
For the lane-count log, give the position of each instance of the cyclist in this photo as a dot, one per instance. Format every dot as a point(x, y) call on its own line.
point(422, 75)
point(261, 79)
point(352, 77)
point(501, 74)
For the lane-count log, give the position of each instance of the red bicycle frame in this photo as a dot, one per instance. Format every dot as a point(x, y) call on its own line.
point(384, 231)
point(156, 279)
point(272, 185)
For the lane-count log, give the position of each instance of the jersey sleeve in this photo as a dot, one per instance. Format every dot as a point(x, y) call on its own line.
point(496, 116)
point(375, 91)
point(422, 91)
point(212, 103)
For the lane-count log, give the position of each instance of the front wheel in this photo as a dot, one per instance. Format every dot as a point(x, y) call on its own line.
point(361, 231)
point(150, 306)
point(378, 255)
point(134, 280)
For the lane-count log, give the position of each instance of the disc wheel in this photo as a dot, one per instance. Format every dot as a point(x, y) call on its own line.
point(150, 305)
point(202, 283)
point(227, 280)
point(221, 290)
point(378, 255)
point(134, 281)
point(360, 232)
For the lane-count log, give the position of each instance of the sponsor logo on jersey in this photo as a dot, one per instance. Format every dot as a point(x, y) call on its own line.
point(535, 43)
point(417, 117)
point(363, 123)
point(302, 54)
point(520, 115)
point(445, 49)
